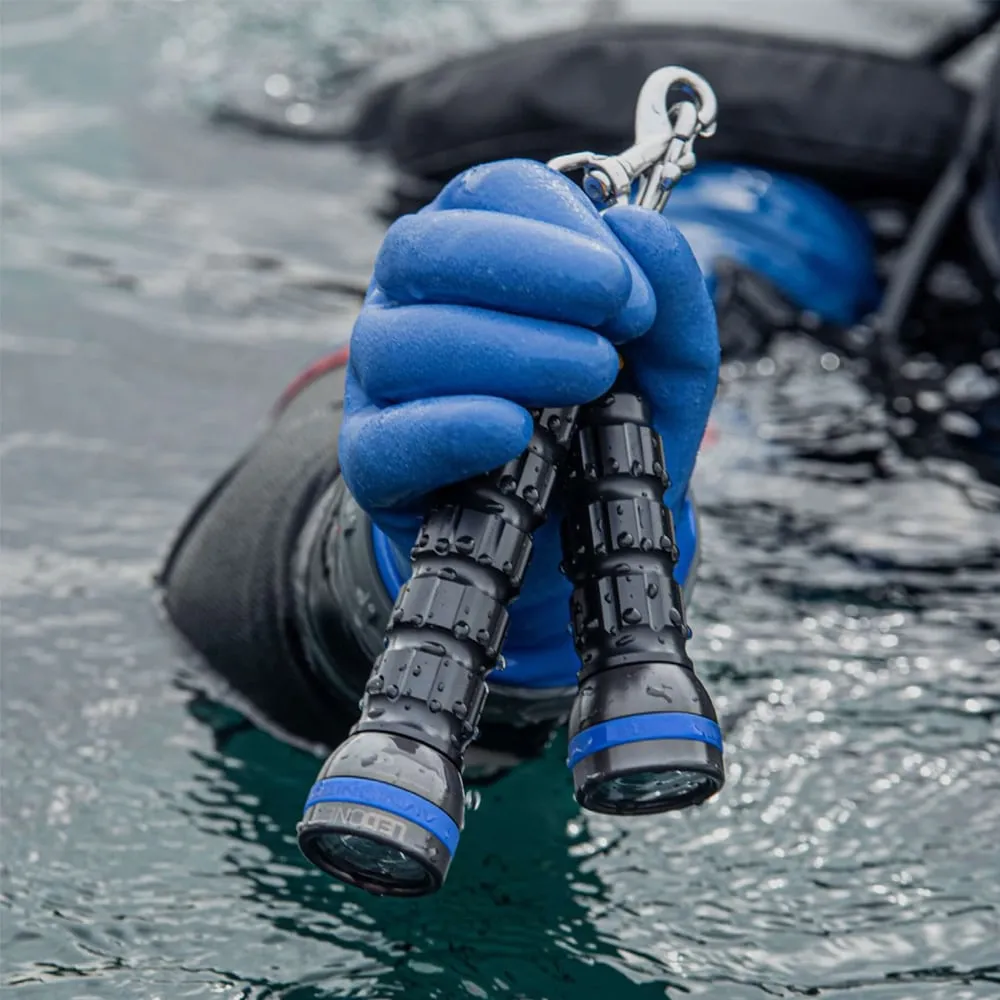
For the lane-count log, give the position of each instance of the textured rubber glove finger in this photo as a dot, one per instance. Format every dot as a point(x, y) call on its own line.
point(531, 190)
point(677, 363)
point(502, 262)
point(393, 456)
point(412, 352)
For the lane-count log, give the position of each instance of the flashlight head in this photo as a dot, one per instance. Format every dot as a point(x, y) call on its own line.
point(384, 815)
point(644, 739)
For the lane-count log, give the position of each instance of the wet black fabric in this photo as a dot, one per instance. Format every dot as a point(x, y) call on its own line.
point(867, 125)
point(227, 583)
point(994, 90)
point(985, 208)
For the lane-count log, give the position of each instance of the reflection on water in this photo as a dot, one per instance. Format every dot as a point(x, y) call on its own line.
point(163, 280)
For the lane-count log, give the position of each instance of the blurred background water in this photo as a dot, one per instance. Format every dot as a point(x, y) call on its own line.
point(163, 279)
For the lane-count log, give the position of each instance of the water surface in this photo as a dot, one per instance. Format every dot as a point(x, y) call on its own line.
point(163, 279)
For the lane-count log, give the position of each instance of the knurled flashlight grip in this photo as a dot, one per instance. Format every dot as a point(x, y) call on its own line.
point(619, 547)
point(644, 736)
point(449, 622)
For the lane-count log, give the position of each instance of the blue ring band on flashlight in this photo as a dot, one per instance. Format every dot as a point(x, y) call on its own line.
point(398, 801)
point(639, 728)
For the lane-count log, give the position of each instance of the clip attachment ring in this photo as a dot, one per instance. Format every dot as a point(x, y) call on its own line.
point(663, 151)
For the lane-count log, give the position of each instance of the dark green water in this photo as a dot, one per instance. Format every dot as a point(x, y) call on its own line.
point(162, 281)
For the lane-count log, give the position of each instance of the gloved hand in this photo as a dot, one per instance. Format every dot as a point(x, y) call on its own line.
point(511, 291)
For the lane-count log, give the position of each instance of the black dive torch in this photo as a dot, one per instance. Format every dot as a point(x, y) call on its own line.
point(388, 807)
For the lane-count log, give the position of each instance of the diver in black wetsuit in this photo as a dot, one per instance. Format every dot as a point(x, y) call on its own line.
point(283, 577)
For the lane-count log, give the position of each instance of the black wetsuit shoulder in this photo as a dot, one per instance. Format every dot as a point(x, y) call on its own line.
point(227, 581)
point(272, 580)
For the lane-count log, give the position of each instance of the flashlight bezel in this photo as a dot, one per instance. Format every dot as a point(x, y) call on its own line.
point(388, 790)
point(312, 833)
point(592, 774)
point(643, 717)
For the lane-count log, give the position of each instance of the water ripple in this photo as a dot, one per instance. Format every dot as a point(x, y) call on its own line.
point(163, 282)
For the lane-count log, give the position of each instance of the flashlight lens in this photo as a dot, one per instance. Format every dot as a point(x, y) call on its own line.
point(651, 791)
point(371, 863)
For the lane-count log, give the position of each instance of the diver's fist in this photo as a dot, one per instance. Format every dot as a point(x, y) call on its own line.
point(511, 291)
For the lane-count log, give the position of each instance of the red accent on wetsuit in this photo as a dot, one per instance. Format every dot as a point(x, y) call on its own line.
point(327, 363)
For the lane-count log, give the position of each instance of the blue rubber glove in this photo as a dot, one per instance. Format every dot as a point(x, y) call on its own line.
point(510, 291)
